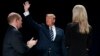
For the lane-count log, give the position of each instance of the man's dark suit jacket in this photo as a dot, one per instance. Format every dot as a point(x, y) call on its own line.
point(45, 46)
point(13, 44)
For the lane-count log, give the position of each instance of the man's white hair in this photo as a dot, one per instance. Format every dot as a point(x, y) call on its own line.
point(51, 15)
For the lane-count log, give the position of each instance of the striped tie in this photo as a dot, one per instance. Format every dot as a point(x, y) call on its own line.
point(51, 33)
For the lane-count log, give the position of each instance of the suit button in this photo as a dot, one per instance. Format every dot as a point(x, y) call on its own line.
point(49, 50)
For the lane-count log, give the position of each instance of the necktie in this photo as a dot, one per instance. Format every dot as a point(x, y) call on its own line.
point(51, 33)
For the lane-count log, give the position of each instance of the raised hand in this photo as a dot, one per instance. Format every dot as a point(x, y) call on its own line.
point(26, 6)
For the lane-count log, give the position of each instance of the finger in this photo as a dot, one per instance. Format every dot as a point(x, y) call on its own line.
point(27, 2)
point(32, 38)
point(23, 4)
point(27, 42)
point(36, 40)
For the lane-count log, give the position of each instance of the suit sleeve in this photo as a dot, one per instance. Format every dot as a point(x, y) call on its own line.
point(30, 21)
point(18, 44)
point(64, 49)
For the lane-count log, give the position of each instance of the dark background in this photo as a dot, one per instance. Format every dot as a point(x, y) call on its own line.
point(61, 8)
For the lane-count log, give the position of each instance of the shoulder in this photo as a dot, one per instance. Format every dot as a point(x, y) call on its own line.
point(12, 32)
point(42, 24)
point(72, 24)
point(59, 29)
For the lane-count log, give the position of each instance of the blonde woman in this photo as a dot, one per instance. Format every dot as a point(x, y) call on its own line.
point(78, 32)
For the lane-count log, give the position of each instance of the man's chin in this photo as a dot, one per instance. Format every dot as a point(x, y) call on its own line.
point(20, 27)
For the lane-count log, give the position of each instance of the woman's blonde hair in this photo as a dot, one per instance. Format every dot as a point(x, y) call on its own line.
point(80, 17)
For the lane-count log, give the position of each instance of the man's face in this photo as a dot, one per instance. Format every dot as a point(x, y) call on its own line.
point(19, 23)
point(50, 20)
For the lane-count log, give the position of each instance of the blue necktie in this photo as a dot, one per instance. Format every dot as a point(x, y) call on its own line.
point(51, 33)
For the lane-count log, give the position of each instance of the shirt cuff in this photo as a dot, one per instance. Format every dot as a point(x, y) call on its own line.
point(26, 13)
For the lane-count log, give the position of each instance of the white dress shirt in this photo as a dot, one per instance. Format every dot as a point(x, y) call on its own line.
point(54, 32)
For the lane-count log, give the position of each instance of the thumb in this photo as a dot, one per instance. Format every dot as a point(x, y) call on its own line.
point(36, 40)
point(23, 4)
point(32, 38)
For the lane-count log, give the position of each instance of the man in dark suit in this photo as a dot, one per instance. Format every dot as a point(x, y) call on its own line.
point(13, 44)
point(51, 39)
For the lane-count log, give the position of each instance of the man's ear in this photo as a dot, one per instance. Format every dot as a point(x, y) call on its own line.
point(54, 20)
point(16, 20)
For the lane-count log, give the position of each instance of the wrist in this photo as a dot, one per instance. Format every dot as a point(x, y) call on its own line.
point(26, 13)
point(26, 10)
